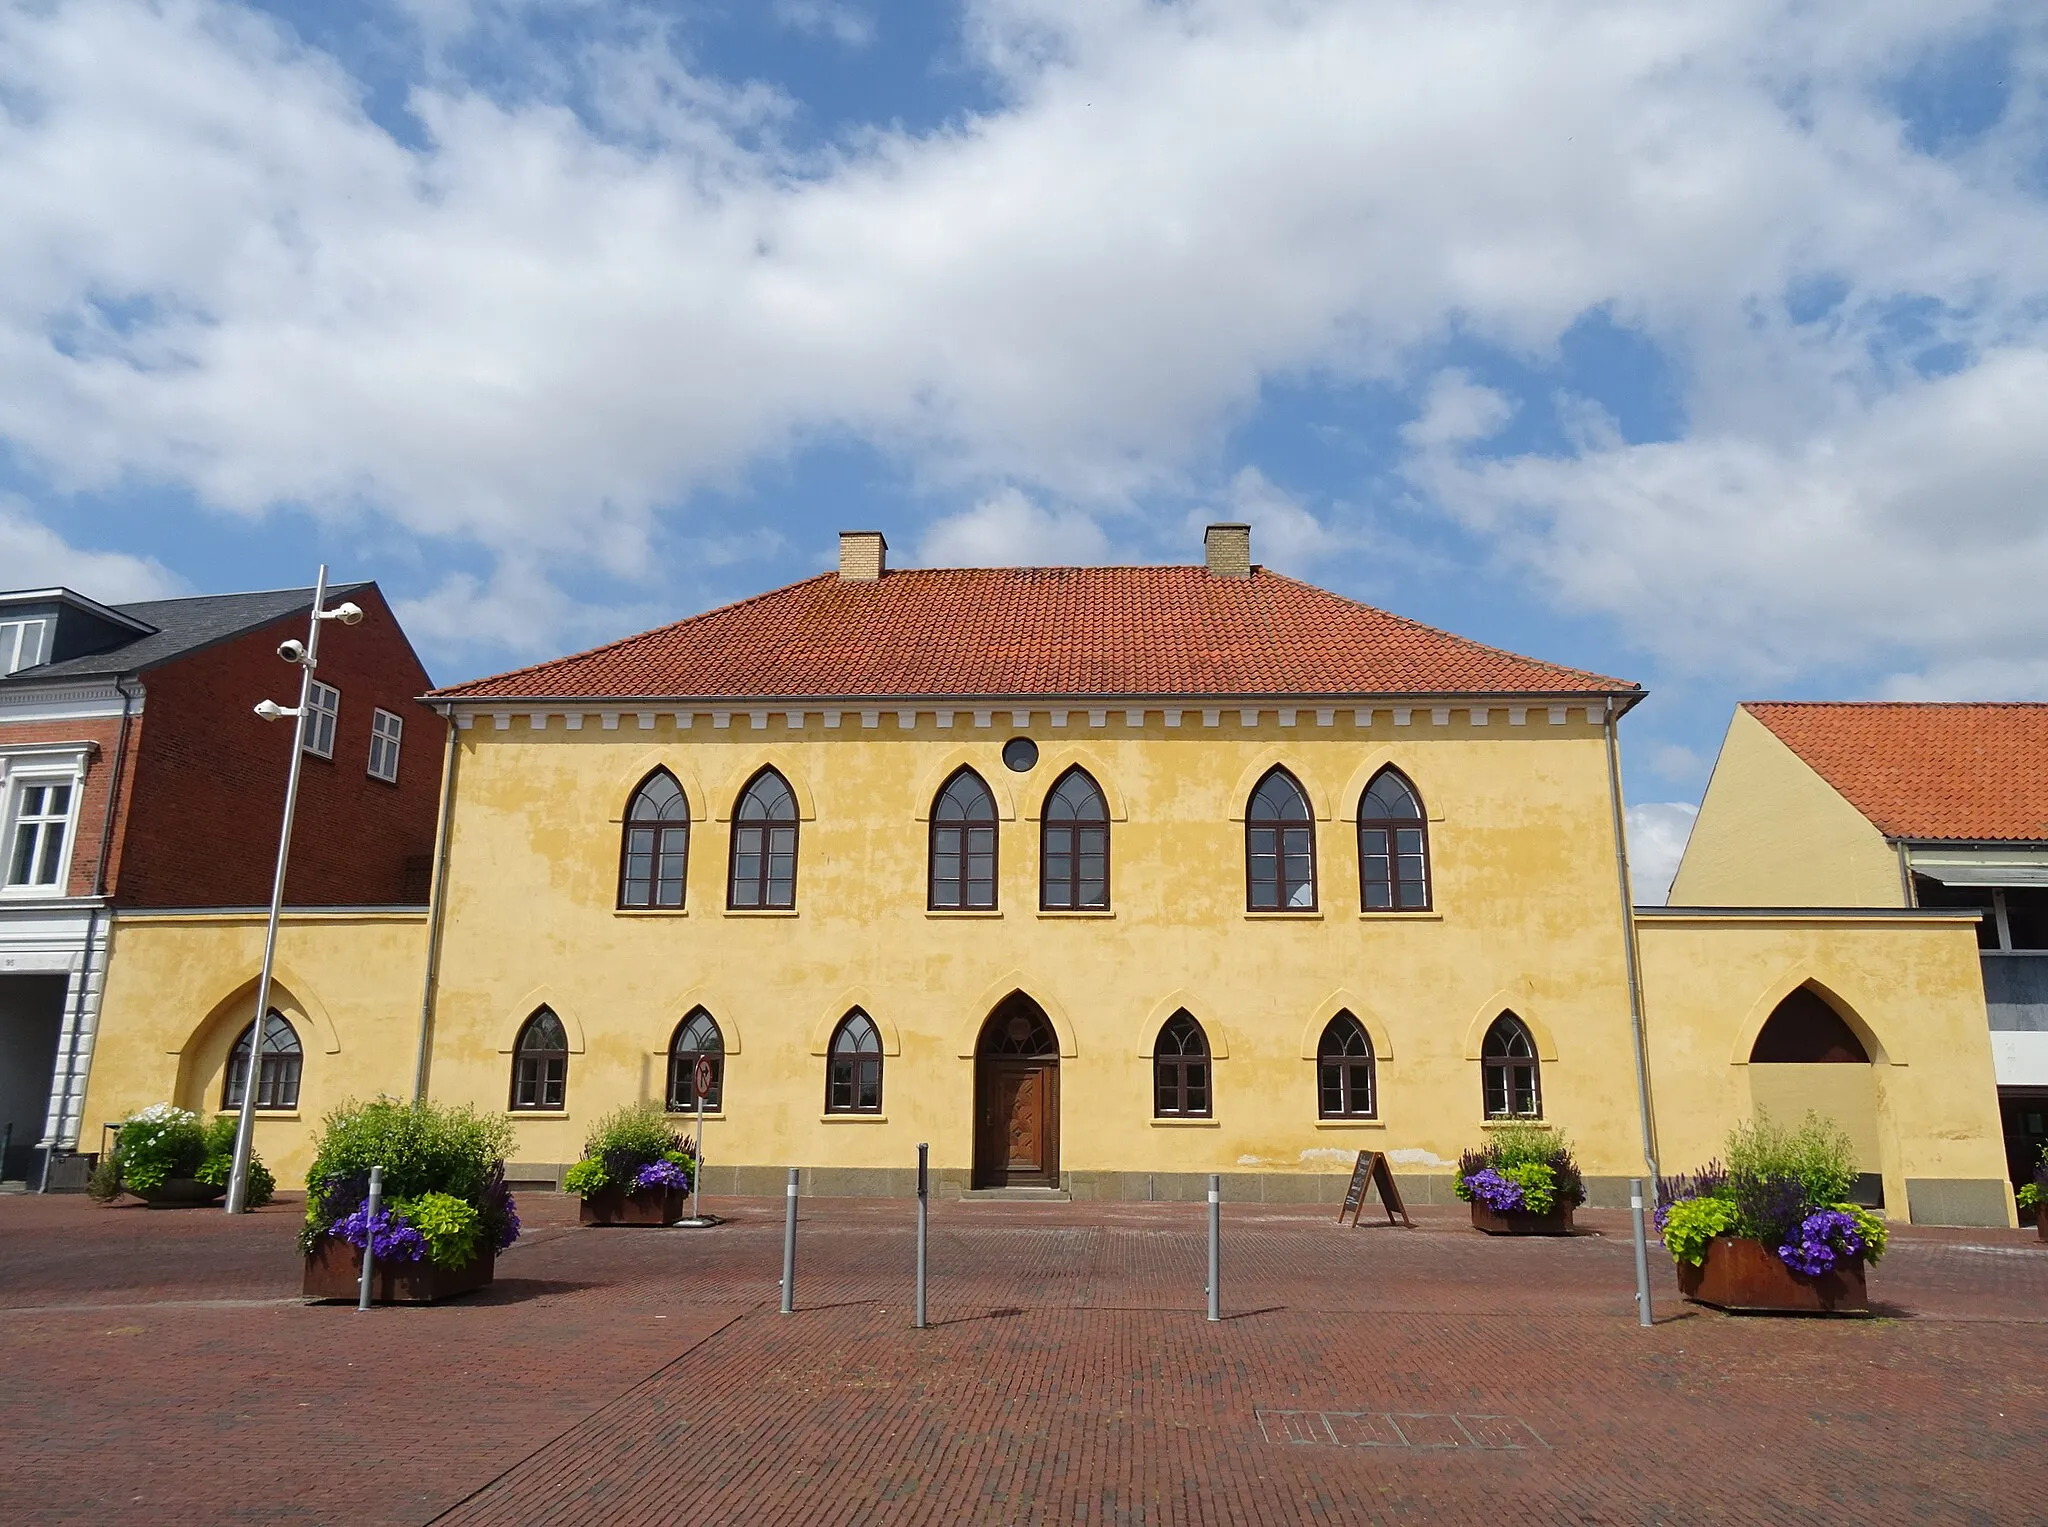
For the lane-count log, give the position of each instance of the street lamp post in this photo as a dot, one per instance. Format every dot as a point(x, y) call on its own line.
point(306, 655)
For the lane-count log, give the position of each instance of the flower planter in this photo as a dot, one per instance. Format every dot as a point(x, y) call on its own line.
point(1745, 1275)
point(334, 1270)
point(180, 1193)
point(640, 1206)
point(1520, 1222)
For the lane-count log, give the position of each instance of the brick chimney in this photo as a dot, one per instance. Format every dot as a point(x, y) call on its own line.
point(863, 555)
point(1227, 549)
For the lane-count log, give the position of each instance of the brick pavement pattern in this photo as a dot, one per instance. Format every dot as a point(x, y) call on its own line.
point(160, 1370)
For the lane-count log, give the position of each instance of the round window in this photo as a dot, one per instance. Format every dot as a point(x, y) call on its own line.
point(1020, 754)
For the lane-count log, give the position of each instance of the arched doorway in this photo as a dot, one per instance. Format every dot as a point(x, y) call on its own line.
point(1807, 1057)
point(1017, 1098)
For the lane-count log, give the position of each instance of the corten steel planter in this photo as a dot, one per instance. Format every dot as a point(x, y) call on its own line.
point(1746, 1275)
point(334, 1270)
point(1520, 1222)
point(179, 1193)
point(641, 1206)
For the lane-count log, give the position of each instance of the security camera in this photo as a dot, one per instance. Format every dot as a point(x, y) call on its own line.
point(349, 613)
point(270, 710)
point(292, 650)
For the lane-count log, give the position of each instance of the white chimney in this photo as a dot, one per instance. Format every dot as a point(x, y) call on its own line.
point(1227, 549)
point(863, 555)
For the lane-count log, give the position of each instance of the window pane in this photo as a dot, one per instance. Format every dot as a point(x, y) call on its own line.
point(53, 853)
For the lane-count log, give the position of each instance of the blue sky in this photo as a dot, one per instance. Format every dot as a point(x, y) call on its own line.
point(1707, 349)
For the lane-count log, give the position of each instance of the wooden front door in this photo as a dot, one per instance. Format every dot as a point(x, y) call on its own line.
point(1016, 1137)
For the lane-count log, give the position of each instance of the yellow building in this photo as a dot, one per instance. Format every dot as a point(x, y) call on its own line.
point(1101, 880)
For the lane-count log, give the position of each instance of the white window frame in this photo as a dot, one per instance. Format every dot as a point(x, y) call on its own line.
point(323, 718)
point(14, 636)
point(387, 734)
point(23, 765)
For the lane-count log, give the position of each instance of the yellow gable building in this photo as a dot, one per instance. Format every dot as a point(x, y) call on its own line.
point(1100, 880)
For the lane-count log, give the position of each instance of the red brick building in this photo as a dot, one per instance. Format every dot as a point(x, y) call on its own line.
point(135, 776)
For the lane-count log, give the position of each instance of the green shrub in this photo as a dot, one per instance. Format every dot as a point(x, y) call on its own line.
point(2029, 1195)
point(452, 1229)
point(1537, 1182)
point(1512, 1149)
point(1692, 1222)
point(1818, 1155)
point(622, 1144)
point(586, 1177)
point(426, 1150)
point(162, 1142)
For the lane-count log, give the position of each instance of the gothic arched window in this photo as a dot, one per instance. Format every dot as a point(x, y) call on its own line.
point(1073, 845)
point(853, 1069)
point(963, 844)
point(1180, 1069)
point(277, 1075)
point(1509, 1072)
point(1279, 847)
point(697, 1035)
point(1393, 846)
point(654, 850)
point(764, 844)
point(540, 1064)
point(1344, 1070)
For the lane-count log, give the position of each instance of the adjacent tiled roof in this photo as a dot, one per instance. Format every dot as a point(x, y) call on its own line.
point(182, 626)
point(1053, 631)
point(1958, 772)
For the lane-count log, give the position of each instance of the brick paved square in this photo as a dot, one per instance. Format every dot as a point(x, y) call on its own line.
point(161, 1371)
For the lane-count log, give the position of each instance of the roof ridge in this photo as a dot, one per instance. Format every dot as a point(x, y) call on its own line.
point(1899, 704)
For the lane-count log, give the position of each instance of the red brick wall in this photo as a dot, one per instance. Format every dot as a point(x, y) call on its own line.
point(210, 776)
point(91, 815)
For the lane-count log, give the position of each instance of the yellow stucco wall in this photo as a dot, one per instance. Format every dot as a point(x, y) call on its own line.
point(1526, 918)
point(181, 987)
point(1772, 833)
point(1909, 985)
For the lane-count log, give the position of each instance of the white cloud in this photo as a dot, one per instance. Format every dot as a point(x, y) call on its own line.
point(846, 24)
point(1656, 841)
point(1008, 529)
point(33, 556)
point(539, 332)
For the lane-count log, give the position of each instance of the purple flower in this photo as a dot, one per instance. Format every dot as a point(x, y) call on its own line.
point(1495, 1191)
point(1824, 1238)
point(391, 1239)
point(508, 1222)
point(662, 1174)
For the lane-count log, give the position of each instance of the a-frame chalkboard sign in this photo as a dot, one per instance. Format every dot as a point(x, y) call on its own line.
point(1370, 1172)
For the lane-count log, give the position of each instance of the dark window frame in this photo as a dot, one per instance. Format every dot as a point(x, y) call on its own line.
point(682, 1065)
point(861, 1068)
point(759, 833)
point(1076, 849)
point(1497, 1056)
point(1391, 826)
point(1338, 1068)
point(961, 831)
point(1186, 1076)
point(547, 1088)
point(661, 828)
point(287, 1075)
point(1280, 850)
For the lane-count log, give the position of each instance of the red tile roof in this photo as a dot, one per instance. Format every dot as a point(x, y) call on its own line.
point(1061, 632)
point(1958, 772)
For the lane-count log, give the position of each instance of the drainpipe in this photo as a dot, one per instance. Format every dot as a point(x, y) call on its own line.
point(92, 925)
point(437, 896)
point(1628, 942)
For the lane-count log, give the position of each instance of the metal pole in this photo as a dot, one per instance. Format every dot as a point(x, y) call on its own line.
point(371, 1206)
point(697, 1170)
point(245, 1127)
point(923, 1212)
point(1215, 1246)
point(1635, 1209)
point(1631, 957)
point(789, 1249)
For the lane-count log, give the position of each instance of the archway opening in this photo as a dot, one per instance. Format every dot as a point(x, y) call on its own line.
point(1017, 1098)
point(1808, 1058)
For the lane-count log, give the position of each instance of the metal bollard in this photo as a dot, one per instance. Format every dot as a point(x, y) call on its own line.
point(370, 1207)
point(1215, 1246)
point(924, 1193)
point(1635, 1209)
point(789, 1249)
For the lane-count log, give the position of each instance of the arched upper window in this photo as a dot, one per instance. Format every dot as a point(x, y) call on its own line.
point(1073, 844)
point(277, 1076)
point(1180, 1069)
point(654, 852)
point(1805, 1030)
point(853, 1070)
point(764, 844)
point(1393, 846)
point(1279, 847)
point(963, 846)
point(1344, 1071)
point(697, 1035)
point(1508, 1071)
point(540, 1064)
